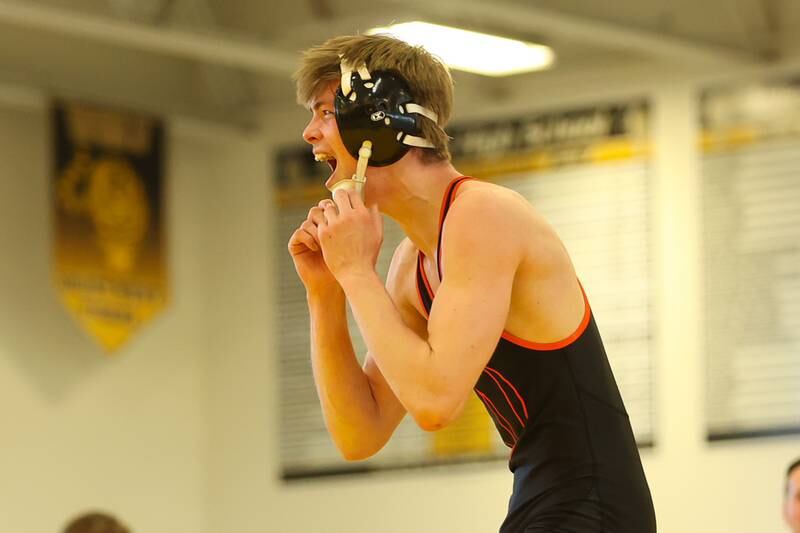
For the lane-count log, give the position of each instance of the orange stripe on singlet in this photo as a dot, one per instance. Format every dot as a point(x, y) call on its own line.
point(425, 278)
point(516, 392)
point(447, 201)
point(549, 346)
point(490, 372)
point(422, 301)
point(501, 420)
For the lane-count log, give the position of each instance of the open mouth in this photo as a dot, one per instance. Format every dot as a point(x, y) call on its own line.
point(326, 158)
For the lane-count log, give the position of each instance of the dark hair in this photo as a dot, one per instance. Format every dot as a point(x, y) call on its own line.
point(95, 522)
point(792, 466)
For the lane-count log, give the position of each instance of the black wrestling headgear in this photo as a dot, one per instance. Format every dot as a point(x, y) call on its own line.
point(378, 107)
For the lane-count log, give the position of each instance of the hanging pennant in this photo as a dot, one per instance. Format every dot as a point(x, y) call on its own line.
point(108, 237)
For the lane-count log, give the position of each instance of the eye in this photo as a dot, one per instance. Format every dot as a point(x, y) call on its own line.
point(327, 112)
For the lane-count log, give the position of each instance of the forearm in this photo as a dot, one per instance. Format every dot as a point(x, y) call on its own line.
point(406, 360)
point(349, 408)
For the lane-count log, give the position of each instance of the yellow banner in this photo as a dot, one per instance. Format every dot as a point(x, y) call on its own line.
point(108, 235)
point(470, 434)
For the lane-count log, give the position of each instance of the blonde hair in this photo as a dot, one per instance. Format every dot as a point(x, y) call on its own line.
point(428, 78)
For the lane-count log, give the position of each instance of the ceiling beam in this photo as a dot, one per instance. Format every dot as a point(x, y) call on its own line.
point(317, 32)
point(259, 57)
point(526, 18)
point(209, 47)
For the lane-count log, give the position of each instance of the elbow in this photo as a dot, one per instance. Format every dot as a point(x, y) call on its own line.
point(437, 415)
point(357, 451)
point(353, 455)
point(432, 422)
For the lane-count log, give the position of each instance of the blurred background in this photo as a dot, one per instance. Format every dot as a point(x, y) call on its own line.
point(181, 424)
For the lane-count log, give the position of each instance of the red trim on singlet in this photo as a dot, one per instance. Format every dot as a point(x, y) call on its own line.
point(548, 346)
point(422, 301)
point(454, 184)
point(502, 419)
point(425, 278)
point(508, 400)
point(450, 194)
point(519, 396)
point(443, 206)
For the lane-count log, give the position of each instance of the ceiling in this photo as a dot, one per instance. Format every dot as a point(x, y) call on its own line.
point(231, 60)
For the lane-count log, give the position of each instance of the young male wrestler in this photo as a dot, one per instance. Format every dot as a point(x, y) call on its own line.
point(481, 298)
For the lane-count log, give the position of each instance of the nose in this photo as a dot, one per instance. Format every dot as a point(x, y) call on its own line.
point(311, 133)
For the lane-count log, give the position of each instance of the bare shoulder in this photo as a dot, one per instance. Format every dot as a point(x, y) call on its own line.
point(505, 217)
point(491, 204)
point(546, 302)
point(401, 269)
point(483, 206)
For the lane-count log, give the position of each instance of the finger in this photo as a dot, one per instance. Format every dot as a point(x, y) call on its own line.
point(330, 213)
point(311, 228)
point(309, 240)
point(302, 239)
point(356, 200)
point(327, 203)
point(376, 213)
point(342, 199)
point(316, 216)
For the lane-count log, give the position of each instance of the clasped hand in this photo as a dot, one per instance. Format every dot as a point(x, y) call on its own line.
point(350, 234)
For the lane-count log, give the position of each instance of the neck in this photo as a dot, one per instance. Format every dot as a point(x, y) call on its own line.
point(411, 193)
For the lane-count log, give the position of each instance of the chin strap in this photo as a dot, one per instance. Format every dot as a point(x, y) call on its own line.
point(356, 183)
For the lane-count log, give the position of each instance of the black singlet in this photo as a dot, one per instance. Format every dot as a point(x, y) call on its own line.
point(575, 462)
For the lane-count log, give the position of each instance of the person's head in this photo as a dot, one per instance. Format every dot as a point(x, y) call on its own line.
point(95, 522)
point(320, 74)
point(791, 503)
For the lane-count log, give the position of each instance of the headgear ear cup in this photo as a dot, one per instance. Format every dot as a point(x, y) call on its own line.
point(379, 107)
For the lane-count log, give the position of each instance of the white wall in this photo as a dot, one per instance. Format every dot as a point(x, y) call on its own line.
point(730, 487)
point(179, 432)
point(80, 430)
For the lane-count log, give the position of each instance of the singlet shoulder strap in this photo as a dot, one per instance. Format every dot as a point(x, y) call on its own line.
point(447, 201)
point(423, 287)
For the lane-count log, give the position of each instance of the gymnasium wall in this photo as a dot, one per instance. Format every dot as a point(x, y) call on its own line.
point(178, 432)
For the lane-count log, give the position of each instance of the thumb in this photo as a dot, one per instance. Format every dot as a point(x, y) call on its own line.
point(377, 219)
point(375, 213)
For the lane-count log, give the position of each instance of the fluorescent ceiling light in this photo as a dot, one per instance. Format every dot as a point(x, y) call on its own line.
point(471, 51)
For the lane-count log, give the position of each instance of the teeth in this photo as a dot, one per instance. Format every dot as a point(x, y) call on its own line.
point(323, 157)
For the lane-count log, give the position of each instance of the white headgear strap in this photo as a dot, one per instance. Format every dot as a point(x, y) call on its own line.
point(364, 74)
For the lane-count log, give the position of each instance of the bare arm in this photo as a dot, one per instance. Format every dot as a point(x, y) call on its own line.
point(433, 374)
point(361, 412)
